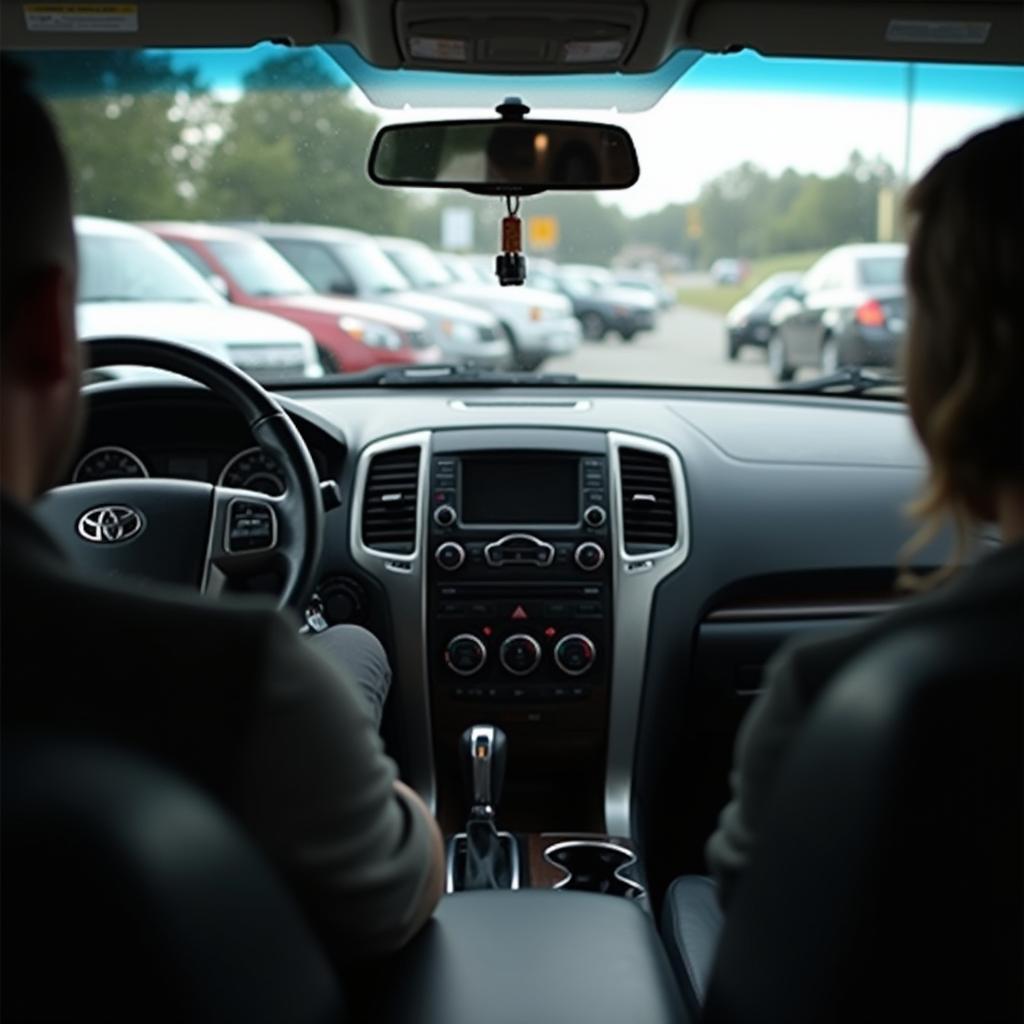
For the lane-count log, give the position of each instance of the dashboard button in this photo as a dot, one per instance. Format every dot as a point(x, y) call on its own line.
point(519, 654)
point(589, 556)
point(595, 516)
point(465, 654)
point(575, 654)
point(444, 515)
point(449, 556)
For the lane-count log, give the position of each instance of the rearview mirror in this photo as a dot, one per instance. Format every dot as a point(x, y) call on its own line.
point(507, 157)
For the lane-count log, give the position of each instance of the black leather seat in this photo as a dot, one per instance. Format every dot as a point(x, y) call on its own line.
point(889, 886)
point(691, 925)
point(129, 896)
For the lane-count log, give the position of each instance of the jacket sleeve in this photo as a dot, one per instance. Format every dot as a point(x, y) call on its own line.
point(316, 789)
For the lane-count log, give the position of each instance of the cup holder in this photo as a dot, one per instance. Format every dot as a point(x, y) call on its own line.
point(595, 866)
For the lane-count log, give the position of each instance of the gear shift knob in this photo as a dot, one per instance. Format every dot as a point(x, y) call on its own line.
point(483, 749)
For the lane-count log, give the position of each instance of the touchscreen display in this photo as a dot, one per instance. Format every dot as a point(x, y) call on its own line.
point(513, 490)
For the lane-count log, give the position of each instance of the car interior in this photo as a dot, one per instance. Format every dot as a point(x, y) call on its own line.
point(578, 582)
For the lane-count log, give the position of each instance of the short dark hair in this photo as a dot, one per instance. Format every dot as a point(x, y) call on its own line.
point(35, 203)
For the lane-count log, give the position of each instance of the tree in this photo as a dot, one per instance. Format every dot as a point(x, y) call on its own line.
point(295, 149)
point(133, 132)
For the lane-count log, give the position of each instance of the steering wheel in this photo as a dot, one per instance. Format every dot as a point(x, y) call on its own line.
point(189, 532)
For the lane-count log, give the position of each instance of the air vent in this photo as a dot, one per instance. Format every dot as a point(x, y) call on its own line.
point(648, 501)
point(389, 501)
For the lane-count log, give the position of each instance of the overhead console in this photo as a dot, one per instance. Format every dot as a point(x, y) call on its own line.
point(523, 562)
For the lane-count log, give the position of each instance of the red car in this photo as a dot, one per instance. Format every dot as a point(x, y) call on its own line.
point(352, 335)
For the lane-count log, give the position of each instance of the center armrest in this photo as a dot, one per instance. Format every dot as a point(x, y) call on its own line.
point(505, 957)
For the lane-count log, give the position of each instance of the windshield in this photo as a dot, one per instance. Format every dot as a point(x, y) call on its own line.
point(422, 268)
point(258, 269)
point(750, 167)
point(115, 269)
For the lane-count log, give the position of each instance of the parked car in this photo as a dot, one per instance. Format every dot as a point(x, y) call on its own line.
point(649, 281)
point(352, 335)
point(131, 283)
point(728, 271)
point(749, 321)
point(539, 323)
point(601, 305)
point(337, 261)
point(849, 310)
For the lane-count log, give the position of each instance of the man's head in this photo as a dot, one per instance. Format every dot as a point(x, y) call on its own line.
point(39, 352)
point(965, 349)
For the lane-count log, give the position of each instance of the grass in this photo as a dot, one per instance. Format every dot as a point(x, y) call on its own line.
point(722, 297)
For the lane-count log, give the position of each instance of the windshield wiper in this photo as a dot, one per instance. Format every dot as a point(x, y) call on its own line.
point(848, 380)
point(445, 374)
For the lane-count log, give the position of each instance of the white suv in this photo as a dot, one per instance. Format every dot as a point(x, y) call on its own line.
point(131, 283)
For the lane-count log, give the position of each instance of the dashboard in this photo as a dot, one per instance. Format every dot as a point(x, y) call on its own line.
point(602, 573)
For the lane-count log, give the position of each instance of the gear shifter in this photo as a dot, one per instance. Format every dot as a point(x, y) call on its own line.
point(489, 855)
point(483, 749)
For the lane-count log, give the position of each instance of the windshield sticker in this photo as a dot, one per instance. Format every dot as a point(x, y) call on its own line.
point(82, 17)
point(971, 33)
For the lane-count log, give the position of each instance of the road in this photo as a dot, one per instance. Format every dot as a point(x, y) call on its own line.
point(687, 347)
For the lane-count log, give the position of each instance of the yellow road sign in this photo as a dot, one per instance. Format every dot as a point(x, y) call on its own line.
point(542, 232)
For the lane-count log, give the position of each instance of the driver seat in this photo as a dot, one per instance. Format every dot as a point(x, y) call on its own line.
point(129, 896)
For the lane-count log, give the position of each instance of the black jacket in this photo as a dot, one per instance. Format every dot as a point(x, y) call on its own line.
point(800, 671)
point(227, 693)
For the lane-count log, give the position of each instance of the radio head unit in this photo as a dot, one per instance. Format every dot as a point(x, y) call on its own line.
point(490, 491)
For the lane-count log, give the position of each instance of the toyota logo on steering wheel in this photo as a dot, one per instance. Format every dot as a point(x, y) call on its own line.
point(110, 524)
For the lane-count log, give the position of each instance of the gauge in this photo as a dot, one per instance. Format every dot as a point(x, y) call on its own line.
point(254, 470)
point(108, 463)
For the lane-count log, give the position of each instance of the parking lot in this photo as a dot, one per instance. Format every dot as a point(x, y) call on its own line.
point(687, 347)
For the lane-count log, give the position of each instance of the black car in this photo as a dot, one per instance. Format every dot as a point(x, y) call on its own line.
point(749, 321)
point(849, 311)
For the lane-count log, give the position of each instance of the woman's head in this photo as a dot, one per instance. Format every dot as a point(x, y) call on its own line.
point(965, 345)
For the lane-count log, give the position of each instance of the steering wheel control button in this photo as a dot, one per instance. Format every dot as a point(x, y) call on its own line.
point(589, 556)
point(444, 515)
point(465, 654)
point(519, 654)
point(449, 556)
point(595, 516)
point(252, 526)
point(575, 654)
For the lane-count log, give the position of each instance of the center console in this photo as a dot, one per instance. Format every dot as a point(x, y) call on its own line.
point(519, 619)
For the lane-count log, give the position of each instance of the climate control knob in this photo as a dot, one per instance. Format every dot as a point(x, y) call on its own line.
point(575, 654)
point(465, 654)
point(449, 555)
point(589, 556)
point(444, 515)
point(519, 654)
point(595, 516)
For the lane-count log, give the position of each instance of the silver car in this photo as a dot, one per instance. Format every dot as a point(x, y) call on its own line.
point(540, 324)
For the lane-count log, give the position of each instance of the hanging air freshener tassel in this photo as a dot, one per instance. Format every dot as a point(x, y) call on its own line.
point(511, 264)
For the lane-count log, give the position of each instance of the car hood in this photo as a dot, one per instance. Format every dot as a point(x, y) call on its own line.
point(523, 297)
point(336, 306)
point(192, 323)
point(437, 306)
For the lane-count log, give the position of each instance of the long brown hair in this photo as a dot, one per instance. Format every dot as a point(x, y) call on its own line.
point(964, 358)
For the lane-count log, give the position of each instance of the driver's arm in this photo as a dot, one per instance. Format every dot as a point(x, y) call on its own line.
point(361, 849)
